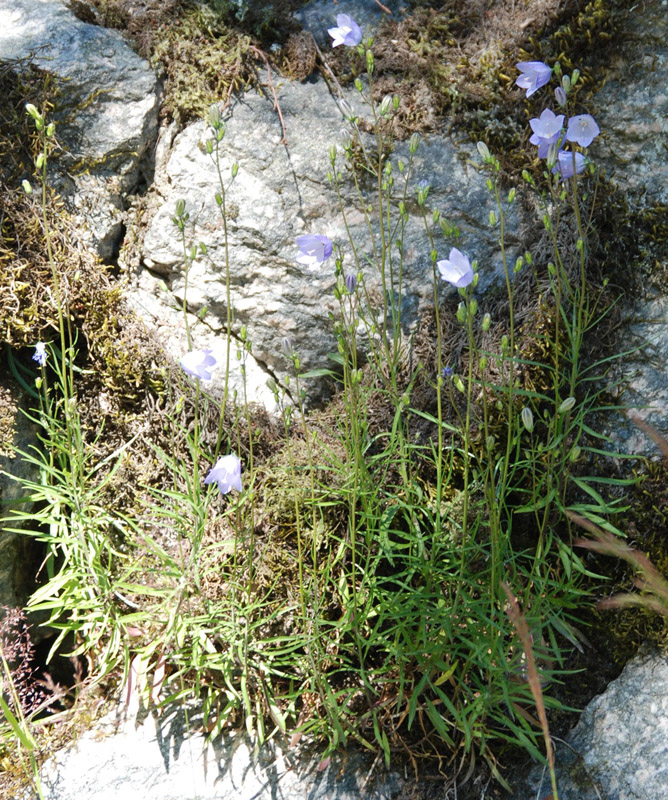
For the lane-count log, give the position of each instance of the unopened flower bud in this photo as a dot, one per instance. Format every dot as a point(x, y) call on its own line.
point(552, 154)
point(473, 307)
point(492, 218)
point(575, 453)
point(414, 143)
point(486, 322)
point(214, 116)
point(369, 61)
point(511, 194)
point(575, 76)
point(235, 169)
point(483, 363)
point(180, 207)
point(518, 264)
point(527, 418)
point(489, 442)
point(504, 344)
point(286, 347)
point(483, 150)
point(351, 283)
point(560, 97)
point(385, 105)
point(27, 188)
point(459, 384)
point(50, 129)
point(566, 405)
point(461, 313)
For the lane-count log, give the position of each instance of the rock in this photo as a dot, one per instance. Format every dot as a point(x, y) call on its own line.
point(620, 741)
point(106, 111)
point(632, 107)
point(632, 110)
point(166, 759)
point(280, 192)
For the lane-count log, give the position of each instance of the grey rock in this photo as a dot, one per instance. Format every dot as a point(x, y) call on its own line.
point(166, 759)
point(106, 114)
point(620, 744)
point(280, 192)
point(632, 108)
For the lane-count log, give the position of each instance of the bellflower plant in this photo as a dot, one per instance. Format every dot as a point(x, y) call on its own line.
point(456, 269)
point(199, 364)
point(565, 166)
point(346, 32)
point(313, 249)
point(534, 75)
point(226, 473)
point(582, 130)
point(546, 130)
point(40, 354)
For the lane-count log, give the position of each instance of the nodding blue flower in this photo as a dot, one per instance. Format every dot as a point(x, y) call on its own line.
point(582, 130)
point(546, 130)
point(565, 165)
point(40, 354)
point(199, 363)
point(351, 283)
point(534, 75)
point(226, 473)
point(347, 32)
point(313, 249)
point(456, 269)
point(447, 372)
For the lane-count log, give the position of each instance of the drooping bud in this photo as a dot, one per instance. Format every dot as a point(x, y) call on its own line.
point(483, 150)
point(566, 405)
point(286, 347)
point(214, 116)
point(385, 105)
point(527, 418)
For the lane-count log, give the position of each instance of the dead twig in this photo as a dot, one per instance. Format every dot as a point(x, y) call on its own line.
point(277, 106)
point(384, 8)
